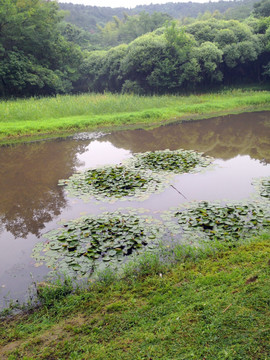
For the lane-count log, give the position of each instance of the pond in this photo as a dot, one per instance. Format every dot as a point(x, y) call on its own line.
point(32, 203)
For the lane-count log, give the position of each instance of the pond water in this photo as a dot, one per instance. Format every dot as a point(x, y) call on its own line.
point(32, 203)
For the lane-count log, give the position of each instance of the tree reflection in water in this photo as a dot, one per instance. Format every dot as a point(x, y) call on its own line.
point(224, 137)
point(30, 197)
point(29, 173)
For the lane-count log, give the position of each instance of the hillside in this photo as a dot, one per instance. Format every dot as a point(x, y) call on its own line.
point(88, 17)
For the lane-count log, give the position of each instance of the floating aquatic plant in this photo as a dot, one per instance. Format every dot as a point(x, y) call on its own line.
point(178, 161)
point(138, 177)
point(112, 182)
point(82, 245)
point(221, 222)
point(263, 187)
point(265, 191)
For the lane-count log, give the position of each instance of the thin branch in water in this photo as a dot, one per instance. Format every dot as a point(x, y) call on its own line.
point(179, 192)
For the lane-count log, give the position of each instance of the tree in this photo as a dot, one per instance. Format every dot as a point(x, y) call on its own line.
point(143, 56)
point(34, 57)
point(209, 58)
point(262, 8)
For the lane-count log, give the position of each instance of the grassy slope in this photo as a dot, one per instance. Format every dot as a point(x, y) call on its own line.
point(31, 117)
point(214, 307)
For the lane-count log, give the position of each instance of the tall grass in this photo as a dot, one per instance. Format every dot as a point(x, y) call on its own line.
point(77, 112)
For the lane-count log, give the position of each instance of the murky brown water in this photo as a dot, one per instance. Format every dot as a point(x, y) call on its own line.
point(31, 203)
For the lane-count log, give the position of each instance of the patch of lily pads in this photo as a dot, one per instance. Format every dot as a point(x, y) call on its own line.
point(138, 177)
point(81, 246)
point(112, 183)
point(178, 161)
point(262, 186)
point(218, 222)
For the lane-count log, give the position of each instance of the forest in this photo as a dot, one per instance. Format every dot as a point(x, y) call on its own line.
point(148, 52)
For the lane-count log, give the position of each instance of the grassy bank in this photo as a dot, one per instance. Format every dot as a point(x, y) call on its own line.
point(208, 305)
point(31, 117)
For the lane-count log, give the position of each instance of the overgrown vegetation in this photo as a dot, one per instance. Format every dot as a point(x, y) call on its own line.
point(42, 55)
point(206, 303)
point(60, 114)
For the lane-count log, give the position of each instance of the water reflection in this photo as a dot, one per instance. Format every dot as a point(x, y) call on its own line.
point(29, 174)
point(221, 137)
point(31, 202)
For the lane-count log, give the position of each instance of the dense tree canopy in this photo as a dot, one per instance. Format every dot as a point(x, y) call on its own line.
point(34, 57)
point(41, 54)
point(262, 8)
point(119, 31)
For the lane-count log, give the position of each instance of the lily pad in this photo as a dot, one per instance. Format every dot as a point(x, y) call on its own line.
point(213, 221)
point(138, 177)
point(119, 235)
point(263, 187)
point(178, 161)
point(112, 183)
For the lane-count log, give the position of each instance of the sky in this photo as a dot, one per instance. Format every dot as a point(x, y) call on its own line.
point(123, 3)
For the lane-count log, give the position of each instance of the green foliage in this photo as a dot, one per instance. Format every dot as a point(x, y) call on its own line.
point(262, 8)
point(119, 31)
point(213, 305)
point(132, 87)
point(223, 223)
point(63, 114)
point(100, 70)
point(178, 161)
point(49, 293)
point(35, 58)
point(40, 54)
point(94, 242)
point(209, 57)
point(139, 176)
point(176, 58)
point(90, 17)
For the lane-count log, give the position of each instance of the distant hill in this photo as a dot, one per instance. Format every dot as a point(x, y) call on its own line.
point(88, 17)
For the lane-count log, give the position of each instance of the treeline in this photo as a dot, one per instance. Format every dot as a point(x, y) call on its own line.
point(42, 55)
point(177, 58)
point(90, 17)
point(123, 31)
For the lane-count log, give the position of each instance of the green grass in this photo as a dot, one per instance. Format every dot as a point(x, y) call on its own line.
point(205, 305)
point(61, 114)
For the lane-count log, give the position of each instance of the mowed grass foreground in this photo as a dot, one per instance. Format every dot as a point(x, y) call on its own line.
point(60, 114)
point(206, 306)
